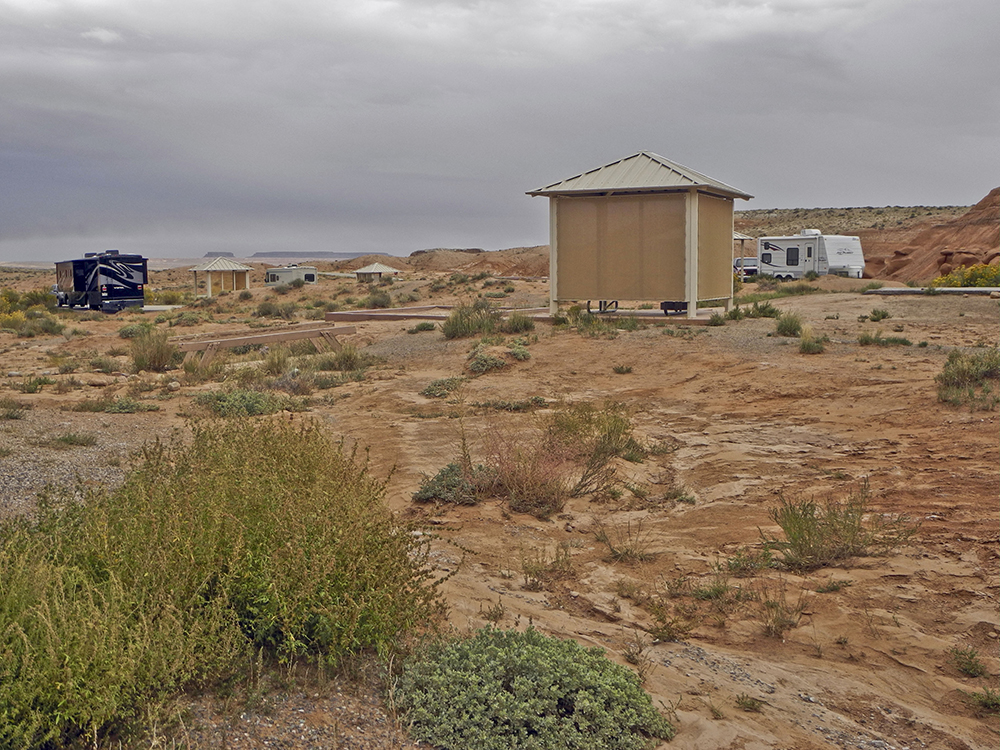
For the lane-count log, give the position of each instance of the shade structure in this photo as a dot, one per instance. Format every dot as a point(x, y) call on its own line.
point(222, 275)
point(641, 228)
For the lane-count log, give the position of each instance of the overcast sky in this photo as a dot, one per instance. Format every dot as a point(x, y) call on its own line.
point(174, 127)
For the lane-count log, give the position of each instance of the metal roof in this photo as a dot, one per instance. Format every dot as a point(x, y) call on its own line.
point(643, 172)
point(221, 264)
point(377, 268)
point(741, 236)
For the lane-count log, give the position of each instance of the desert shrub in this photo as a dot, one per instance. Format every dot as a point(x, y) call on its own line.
point(766, 282)
point(132, 330)
point(776, 613)
point(879, 339)
point(529, 404)
point(971, 378)
point(12, 321)
point(33, 385)
point(811, 345)
point(517, 323)
point(245, 296)
point(528, 470)
point(34, 323)
point(811, 276)
point(519, 351)
point(878, 314)
point(442, 387)
point(151, 351)
point(456, 483)
point(967, 661)
point(482, 361)
point(276, 360)
point(628, 543)
point(735, 313)
point(267, 309)
point(106, 365)
point(476, 319)
point(270, 309)
point(346, 359)
point(37, 298)
point(376, 300)
point(423, 325)
point(984, 702)
point(504, 690)
point(748, 562)
point(594, 437)
point(11, 408)
point(818, 535)
point(979, 274)
point(788, 324)
point(206, 554)
point(248, 403)
point(717, 319)
point(186, 319)
point(169, 297)
point(128, 405)
point(763, 310)
point(74, 440)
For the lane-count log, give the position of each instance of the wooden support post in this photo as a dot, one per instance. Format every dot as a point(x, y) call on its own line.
point(209, 354)
point(329, 339)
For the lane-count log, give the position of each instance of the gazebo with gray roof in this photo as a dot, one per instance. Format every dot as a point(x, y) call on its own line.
point(225, 274)
point(374, 272)
point(641, 228)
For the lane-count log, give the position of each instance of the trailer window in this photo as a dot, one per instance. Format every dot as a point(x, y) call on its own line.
point(792, 256)
point(809, 251)
point(311, 277)
point(765, 257)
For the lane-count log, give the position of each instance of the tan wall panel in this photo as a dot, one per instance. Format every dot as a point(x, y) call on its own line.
point(627, 247)
point(715, 247)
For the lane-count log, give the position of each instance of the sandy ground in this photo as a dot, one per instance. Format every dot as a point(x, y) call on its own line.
point(751, 418)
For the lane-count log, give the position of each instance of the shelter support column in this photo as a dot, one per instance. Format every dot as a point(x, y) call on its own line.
point(691, 253)
point(553, 255)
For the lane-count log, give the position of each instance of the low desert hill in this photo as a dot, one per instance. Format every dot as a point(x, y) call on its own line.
point(938, 249)
point(902, 243)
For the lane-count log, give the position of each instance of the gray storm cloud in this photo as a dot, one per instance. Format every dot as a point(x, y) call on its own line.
point(394, 126)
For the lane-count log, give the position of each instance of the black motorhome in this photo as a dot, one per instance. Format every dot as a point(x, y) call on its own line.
point(108, 281)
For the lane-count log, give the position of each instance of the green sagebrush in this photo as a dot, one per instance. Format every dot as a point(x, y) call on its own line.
point(508, 690)
point(254, 536)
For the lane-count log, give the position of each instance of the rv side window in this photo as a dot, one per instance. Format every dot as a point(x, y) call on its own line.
point(809, 251)
point(310, 277)
point(765, 257)
point(792, 256)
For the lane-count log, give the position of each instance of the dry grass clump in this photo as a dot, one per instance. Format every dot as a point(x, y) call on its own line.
point(151, 350)
point(816, 535)
point(570, 453)
point(971, 378)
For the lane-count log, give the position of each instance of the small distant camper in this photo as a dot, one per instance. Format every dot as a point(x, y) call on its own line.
point(108, 281)
point(288, 274)
point(811, 250)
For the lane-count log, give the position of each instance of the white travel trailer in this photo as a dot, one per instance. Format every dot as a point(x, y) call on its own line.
point(811, 250)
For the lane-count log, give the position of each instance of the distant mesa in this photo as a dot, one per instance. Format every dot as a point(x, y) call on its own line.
point(305, 254)
point(219, 254)
point(472, 250)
